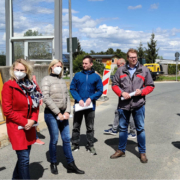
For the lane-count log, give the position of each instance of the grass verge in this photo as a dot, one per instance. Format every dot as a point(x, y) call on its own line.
point(167, 78)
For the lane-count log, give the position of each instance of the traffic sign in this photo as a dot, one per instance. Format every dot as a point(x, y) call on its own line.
point(177, 54)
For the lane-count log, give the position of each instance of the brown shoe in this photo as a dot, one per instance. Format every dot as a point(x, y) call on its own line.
point(117, 154)
point(143, 158)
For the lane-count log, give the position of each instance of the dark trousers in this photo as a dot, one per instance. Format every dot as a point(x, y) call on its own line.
point(89, 116)
point(21, 170)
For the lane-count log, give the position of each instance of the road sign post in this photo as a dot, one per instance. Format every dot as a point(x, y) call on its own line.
point(176, 59)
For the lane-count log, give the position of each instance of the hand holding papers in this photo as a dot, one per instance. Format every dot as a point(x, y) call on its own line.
point(80, 108)
point(21, 127)
point(60, 119)
point(63, 116)
point(131, 94)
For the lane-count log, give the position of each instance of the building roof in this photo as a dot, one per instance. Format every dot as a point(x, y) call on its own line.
point(166, 61)
point(103, 56)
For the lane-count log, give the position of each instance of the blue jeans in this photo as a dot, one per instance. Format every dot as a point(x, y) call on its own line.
point(21, 170)
point(138, 115)
point(54, 126)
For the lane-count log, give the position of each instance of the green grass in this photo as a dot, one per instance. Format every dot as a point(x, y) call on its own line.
point(168, 78)
point(66, 77)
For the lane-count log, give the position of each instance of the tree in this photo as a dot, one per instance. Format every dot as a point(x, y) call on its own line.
point(110, 51)
point(77, 63)
point(2, 60)
point(32, 33)
point(99, 67)
point(160, 57)
point(92, 52)
point(140, 50)
point(152, 51)
point(120, 54)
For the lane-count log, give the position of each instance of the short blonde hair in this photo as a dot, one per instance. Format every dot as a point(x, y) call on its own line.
point(53, 62)
point(28, 69)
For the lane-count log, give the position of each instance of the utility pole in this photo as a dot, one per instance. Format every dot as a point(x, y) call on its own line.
point(70, 42)
point(176, 59)
point(58, 29)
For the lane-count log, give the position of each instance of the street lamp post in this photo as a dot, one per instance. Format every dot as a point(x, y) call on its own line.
point(70, 41)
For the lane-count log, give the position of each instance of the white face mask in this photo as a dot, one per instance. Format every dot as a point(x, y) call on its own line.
point(57, 70)
point(19, 75)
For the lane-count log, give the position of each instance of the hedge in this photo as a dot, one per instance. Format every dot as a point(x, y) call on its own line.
point(172, 68)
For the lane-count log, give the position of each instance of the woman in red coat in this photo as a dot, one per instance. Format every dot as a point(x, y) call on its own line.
point(20, 103)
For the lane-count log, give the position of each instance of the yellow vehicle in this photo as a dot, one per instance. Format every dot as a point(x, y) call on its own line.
point(155, 69)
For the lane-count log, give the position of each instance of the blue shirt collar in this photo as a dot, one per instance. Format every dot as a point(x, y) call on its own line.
point(135, 67)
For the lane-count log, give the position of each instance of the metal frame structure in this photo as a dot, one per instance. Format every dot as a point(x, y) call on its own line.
point(56, 39)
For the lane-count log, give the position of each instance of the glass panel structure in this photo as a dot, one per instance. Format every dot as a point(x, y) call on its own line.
point(18, 50)
point(40, 50)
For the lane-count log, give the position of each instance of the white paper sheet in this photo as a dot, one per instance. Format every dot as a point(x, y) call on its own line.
point(131, 94)
point(21, 127)
point(63, 116)
point(80, 108)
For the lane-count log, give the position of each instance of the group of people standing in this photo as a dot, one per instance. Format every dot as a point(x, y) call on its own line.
point(21, 98)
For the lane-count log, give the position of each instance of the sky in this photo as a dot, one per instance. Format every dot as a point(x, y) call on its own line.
point(103, 24)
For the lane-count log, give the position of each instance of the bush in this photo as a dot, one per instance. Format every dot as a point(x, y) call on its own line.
point(77, 64)
point(99, 67)
point(114, 72)
point(2, 60)
point(172, 68)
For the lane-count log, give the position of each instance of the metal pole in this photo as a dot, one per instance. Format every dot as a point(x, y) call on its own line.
point(9, 30)
point(176, 69)
point(70, 41)
point(58, 29)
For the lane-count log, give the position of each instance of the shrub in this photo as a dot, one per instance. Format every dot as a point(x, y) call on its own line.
point(172, 68)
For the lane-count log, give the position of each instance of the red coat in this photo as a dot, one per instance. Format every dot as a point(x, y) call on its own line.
point(15, 108)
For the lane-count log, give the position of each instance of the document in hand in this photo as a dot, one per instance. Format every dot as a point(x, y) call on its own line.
point(21, 127)
point(80, 108)
point(131, 94)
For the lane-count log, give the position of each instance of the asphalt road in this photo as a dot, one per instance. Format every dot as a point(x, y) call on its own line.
point(162, 125)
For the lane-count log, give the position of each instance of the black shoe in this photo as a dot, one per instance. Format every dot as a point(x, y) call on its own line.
point(91, 150)
point(74, 147)
point(72, 168)
point(54, 169)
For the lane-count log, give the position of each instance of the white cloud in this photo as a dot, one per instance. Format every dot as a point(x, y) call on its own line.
point(154, 6)
point(72, 11)
point(135, 7)
point(85, 21)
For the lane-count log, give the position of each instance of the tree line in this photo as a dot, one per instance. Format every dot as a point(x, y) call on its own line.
point(150, 54)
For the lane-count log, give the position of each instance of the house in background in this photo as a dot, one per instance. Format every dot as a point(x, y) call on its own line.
point(106, 57)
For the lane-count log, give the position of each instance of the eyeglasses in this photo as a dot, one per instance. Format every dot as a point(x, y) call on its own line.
point(132, 57)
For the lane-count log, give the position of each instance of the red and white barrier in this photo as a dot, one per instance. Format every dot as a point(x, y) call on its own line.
point(105, 81)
